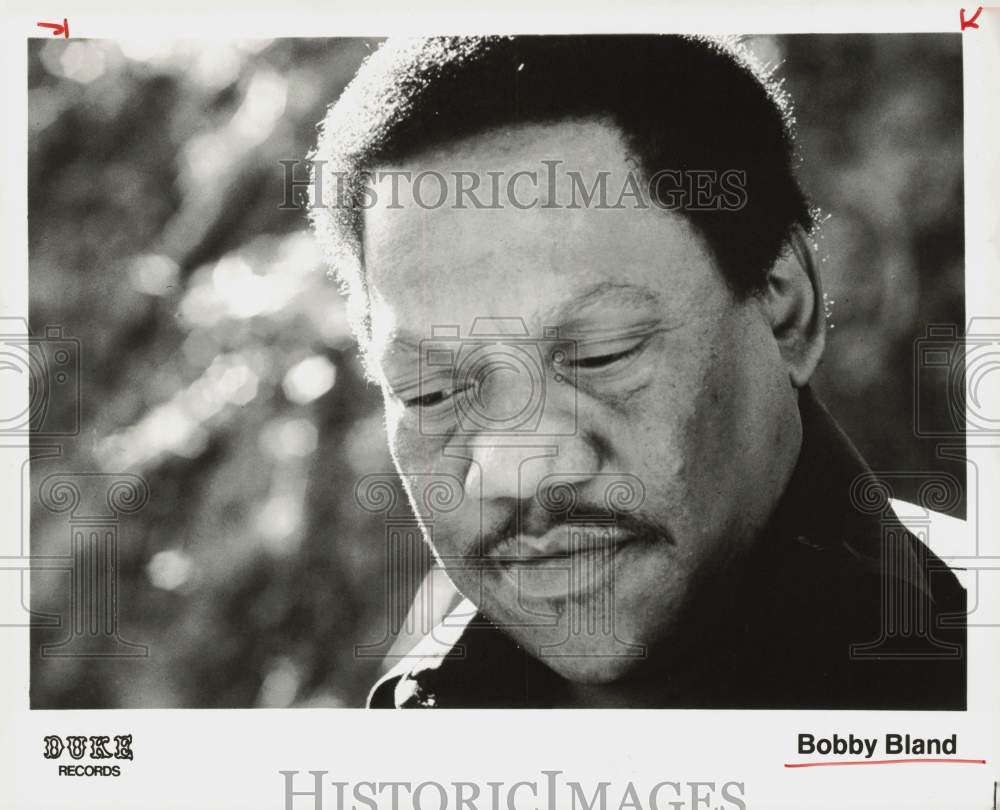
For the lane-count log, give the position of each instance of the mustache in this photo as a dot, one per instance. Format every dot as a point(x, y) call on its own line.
point(536, 521)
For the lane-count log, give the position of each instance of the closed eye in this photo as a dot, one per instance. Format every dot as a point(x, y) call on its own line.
point(432, 398)
point(427, 400)
point(603, 360)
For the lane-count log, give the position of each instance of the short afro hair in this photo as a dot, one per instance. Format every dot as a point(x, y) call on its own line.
point(680, 103)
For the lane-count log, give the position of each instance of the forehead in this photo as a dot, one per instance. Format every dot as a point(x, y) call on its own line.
point(431, 264)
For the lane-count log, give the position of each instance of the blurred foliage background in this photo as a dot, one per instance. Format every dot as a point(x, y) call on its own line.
point(216, 362)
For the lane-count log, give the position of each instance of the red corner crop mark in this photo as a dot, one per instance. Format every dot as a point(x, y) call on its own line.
point(881, 762)
point(971, 22)
point(58, 29)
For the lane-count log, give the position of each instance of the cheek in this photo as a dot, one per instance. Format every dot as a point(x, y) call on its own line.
point(433, 483)
point(395, 430)
point(411, 452)
point(739, 447)
point(753, 389)
point(660, 429)
point(728, 403)
point(702, 431)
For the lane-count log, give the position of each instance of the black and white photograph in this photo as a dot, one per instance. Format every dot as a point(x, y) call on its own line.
point(625, 370)
point(571, 435)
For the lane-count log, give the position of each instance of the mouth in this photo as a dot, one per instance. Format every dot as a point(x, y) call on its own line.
point(567, 560)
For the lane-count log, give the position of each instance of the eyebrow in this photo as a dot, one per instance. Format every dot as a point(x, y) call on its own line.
point(403, 340)
point(604, 292)
point(563, 315)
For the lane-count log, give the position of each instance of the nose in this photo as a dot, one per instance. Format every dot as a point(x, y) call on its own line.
point(510, 468)
point(508, 390)
point(518, 427)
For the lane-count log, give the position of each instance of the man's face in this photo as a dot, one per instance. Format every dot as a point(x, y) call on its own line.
point(645, 392)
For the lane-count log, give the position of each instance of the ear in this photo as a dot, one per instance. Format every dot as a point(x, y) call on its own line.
point(792, 303)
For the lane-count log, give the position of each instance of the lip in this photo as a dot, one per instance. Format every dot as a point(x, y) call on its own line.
point(565, 560)
point(561, 542)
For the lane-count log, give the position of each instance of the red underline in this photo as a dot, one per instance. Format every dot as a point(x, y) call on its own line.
point(880, 762)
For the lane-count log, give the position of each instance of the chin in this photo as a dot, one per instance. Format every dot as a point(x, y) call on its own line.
point(584, 658)
point(591, 670)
